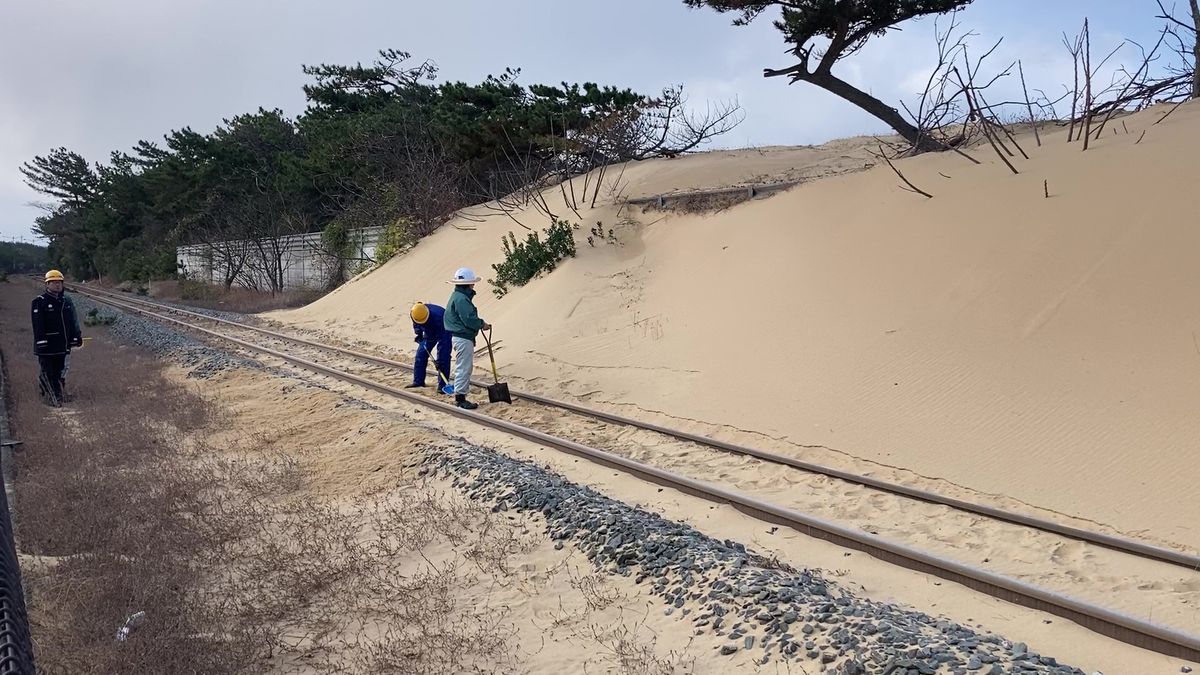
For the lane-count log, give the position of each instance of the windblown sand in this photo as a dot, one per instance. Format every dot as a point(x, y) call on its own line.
point(1046, 349)
point(1041, 353)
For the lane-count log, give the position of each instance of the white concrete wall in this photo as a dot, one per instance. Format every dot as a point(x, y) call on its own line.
point(304, 264)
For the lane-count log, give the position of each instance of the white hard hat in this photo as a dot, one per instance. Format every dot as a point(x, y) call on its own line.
point(465, 275)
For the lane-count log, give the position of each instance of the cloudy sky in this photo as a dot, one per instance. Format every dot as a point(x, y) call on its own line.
point(98, 75)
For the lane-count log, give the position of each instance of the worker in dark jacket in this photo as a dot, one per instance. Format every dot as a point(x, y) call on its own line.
point(463, 323)
point(55, 332)
point(430, 334)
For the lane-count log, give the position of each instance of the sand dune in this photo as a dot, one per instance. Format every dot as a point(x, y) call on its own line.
point(988, 339)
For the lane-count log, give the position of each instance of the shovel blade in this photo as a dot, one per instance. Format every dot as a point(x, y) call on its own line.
point(498, 392)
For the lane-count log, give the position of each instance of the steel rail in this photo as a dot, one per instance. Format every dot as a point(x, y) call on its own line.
point(1122, 544)
point(1117, 625)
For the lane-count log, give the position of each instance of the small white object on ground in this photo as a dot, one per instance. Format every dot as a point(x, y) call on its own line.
point(134, 620)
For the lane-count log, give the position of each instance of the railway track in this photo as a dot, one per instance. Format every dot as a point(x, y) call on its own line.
point(1113, 623)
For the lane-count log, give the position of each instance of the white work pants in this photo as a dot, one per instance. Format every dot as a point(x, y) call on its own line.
point(464, 361)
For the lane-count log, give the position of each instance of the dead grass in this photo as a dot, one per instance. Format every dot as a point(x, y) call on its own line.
point(128, 502)
point(98, 497)
point(125, 507)
point(369, 584)
point(241, 300)
point(633, 648)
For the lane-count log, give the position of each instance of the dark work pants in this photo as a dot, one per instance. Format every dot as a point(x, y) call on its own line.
point(52, 374)
point(441, 361)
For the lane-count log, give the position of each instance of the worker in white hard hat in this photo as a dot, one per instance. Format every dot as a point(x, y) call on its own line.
point(55, 332)
point(463, 323)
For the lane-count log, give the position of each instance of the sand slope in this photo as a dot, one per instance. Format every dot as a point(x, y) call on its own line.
point(1043, 349)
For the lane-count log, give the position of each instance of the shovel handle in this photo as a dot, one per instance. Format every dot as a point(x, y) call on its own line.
point(431, 360)
point(487, 338)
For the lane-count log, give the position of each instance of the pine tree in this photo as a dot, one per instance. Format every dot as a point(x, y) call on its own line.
point(846, 25)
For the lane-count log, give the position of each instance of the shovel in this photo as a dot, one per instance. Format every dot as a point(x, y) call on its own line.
point(448, 388)
point(499, 391)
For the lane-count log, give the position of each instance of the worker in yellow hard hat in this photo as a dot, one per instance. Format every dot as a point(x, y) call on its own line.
point(55, 331)
point(431, 335)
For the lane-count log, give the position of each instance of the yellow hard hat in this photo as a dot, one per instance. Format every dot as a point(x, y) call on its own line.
point(54, 275)
point(419, 313)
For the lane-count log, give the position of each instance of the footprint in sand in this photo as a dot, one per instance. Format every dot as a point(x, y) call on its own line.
point(1076, 554)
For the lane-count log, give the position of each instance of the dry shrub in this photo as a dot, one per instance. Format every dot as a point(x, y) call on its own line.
point(124, 508)
point(596, 590)
point(633, 648)
point(349, 586)
point(98, 500)
point(236, 299)
point(426, 632)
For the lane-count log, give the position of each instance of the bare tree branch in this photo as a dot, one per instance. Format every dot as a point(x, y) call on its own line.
point(911, 187)
point(1029, 106)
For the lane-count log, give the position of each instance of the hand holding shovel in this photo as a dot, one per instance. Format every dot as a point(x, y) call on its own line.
point(448, 387)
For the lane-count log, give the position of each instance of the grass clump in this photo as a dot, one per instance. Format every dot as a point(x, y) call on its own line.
point(95, 318)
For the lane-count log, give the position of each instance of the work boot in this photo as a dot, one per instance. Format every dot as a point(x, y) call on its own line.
point(461, 401)
point(49, 396)
point(414, 385)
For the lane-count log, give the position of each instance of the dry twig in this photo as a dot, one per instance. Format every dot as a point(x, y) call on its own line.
point(911, 187)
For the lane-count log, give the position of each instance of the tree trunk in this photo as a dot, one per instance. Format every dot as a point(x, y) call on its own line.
point(277, 282)
point(1196, 50)
point(879, 109)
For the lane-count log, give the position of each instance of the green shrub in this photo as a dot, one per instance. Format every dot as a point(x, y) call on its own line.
point(138, 261)
point(358, 268)
point(336, 244)
point(95, 318)
point(525, 260)
point(396, 238)
point(336, 239)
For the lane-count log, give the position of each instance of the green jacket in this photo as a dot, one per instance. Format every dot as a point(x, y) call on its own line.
point(462, 319)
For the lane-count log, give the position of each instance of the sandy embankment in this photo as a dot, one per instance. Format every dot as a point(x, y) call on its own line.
point(1039, 349)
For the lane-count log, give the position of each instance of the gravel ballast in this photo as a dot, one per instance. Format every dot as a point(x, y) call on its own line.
point(202, 360)
point(743, 601)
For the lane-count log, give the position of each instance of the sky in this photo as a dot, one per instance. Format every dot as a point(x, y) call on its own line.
point(96, 76)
